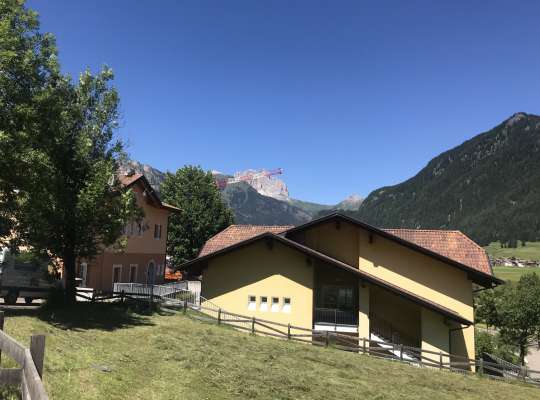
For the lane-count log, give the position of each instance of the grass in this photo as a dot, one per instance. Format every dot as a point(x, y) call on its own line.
point(513, 273)
point(104, 352)
point(531, 251)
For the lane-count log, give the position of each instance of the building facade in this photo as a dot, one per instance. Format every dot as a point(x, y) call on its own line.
point(411, 287)
point(143, 259)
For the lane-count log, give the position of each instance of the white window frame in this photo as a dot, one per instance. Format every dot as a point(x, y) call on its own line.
point(286, 308)
point(114, 267)
point(148, 271)
point(133, 279)
point(263, 306)
point(157, 231)
point(252, 305)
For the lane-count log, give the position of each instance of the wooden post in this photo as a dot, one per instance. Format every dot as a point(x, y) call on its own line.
point(440, 359)
point(253, 325)
point(481, 368)
point(289, 331)
point(122, 294)
point(524, 372)
point(364, 345)
point(37, 349)
point(185, 306)
point(219, 316)
point(1, 329)
point(400, 352)
point(93, 296)
point(326, 341)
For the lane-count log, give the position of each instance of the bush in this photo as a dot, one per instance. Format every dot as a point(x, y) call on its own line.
point(486, 342)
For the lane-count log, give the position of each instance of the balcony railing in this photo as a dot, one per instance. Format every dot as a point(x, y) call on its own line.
point(335, 317)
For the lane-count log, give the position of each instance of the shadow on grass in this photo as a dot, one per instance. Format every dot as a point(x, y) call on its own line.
point(83, 316)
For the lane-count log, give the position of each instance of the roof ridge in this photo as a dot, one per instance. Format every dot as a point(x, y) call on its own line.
point(422, 230)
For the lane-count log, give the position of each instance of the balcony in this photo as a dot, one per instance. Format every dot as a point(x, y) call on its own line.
point(333, 316)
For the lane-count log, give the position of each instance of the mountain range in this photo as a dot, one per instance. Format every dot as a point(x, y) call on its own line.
point(488, 187)
point(262, 201)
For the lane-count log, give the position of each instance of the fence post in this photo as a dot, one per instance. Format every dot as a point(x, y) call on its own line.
point(289, 331)
point(440, 359)
point(185, 306)
point(524, 372)
point(1, 329)
point(400, 352)
point(253, 325)
point(122, 296)
point(364, 345)
point(326, 339)
point(93, 296)
point(481, 362)
point(37, 349)
point(219, 316)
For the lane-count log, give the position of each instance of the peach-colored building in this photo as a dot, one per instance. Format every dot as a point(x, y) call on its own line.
point(142, 260)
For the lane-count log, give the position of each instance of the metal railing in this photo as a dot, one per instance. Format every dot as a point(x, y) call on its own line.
point(335, 317)
point(145, 290)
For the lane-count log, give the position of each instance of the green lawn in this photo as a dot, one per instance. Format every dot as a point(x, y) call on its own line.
point(102, 352)
point(531, 251)
point(512, 273)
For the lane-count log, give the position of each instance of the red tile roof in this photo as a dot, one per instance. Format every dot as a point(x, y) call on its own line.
point(450, 244)
point(238, 233)
point(126, 180)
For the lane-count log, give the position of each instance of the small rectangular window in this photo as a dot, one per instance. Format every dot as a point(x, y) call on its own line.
point(133, 273)
point(287, 304)
point(264, 303)
point(275, 304)
point(157, 231)
point(252, 303)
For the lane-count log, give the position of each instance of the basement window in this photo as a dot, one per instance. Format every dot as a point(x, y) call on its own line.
point(275, 304)
point(287, 304)
point(252, 303)
point(264, 303)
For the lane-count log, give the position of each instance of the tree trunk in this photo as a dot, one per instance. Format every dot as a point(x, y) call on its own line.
point(522, 354)
point(69, 270)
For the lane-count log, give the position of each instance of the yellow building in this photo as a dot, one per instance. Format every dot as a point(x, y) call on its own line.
point(411, 287)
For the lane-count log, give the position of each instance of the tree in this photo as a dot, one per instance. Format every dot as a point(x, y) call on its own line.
point(62, 196)
point(28, 65)
point(203, 212)
point(514, 310)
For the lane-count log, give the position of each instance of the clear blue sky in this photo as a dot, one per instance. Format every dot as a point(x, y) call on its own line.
point(344, 96)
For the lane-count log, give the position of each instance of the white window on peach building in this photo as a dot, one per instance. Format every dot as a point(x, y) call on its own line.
point(133, 273)
point(117, 273)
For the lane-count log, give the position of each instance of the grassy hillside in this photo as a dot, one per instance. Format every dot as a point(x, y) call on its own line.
point(531, 251)
point(512, 273)
point(100, 352)
point(488, 187)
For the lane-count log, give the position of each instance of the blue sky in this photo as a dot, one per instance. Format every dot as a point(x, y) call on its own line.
point(344, 96)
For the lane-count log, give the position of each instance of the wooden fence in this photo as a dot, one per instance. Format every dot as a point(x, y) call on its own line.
point(207, 311)
point(29, 376)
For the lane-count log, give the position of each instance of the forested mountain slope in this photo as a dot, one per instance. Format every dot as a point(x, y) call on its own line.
point(488, 187)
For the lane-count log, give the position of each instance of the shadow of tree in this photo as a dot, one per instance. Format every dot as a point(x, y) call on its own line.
point(84, 316)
